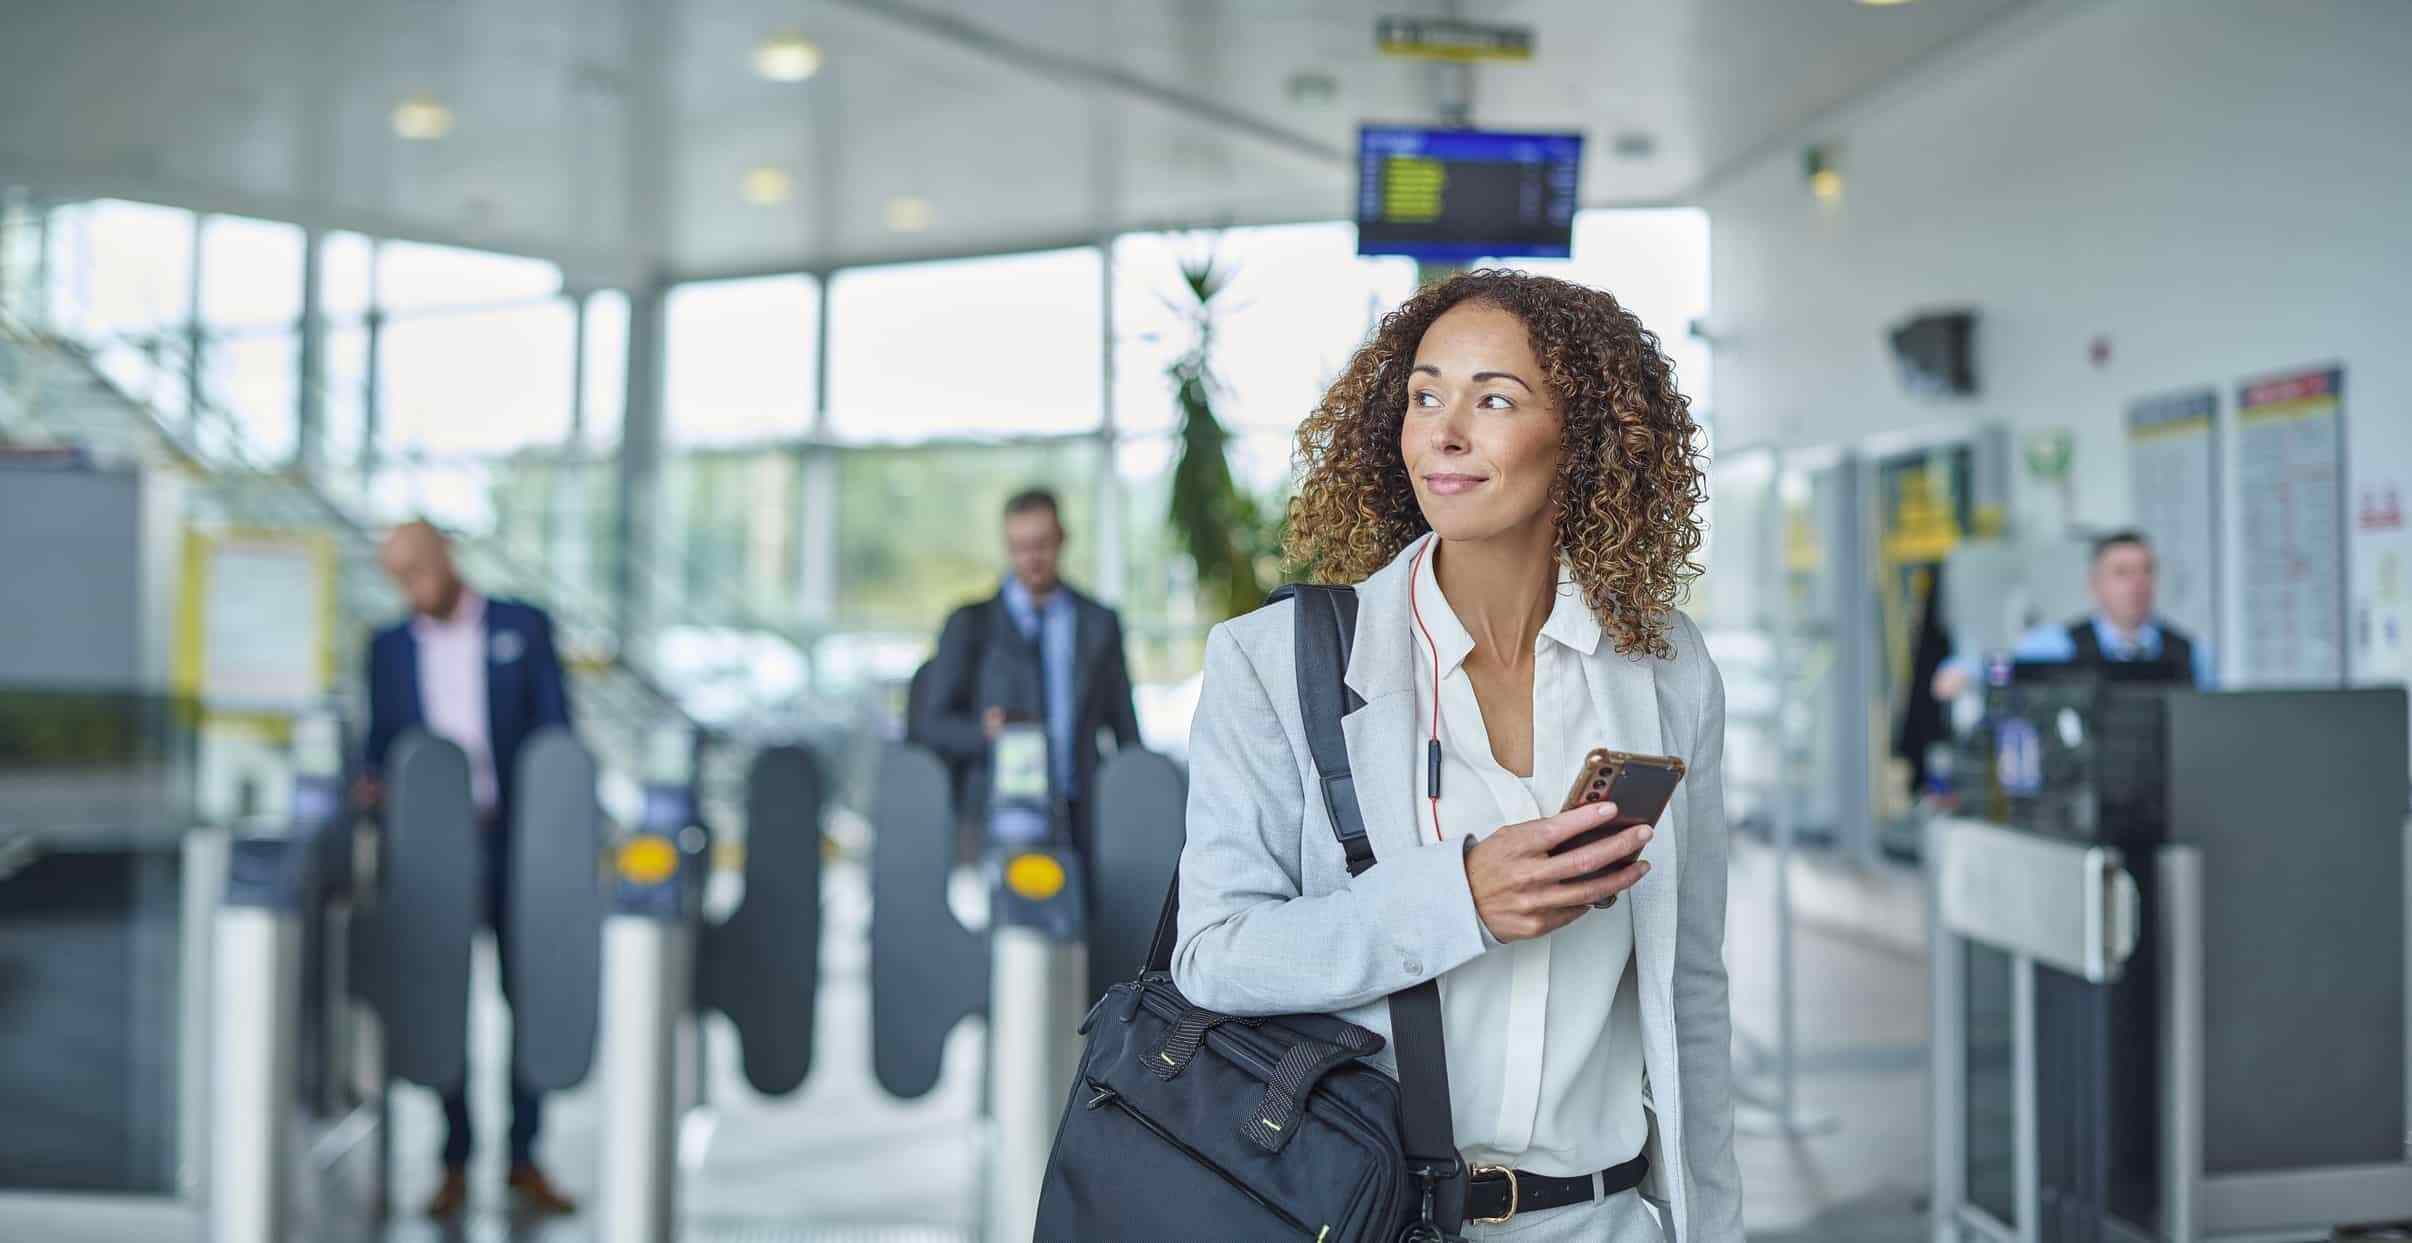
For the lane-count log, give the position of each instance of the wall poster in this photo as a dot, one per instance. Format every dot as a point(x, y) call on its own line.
point(2290, 482)
point(2173, 470)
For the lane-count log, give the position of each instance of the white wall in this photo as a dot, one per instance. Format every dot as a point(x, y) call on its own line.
point(2220, 187)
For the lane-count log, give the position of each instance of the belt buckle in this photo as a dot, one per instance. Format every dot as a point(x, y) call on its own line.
point(1514, 1193)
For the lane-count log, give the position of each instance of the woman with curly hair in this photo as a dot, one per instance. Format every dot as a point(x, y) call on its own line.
point(1508, 476)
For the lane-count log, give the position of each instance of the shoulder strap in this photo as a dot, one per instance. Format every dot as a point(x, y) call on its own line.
point(1326, 622)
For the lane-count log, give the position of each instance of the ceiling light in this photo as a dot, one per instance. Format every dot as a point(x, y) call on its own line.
point(787, 57)
point(1818, 165)
point(908, 214)
point(766, 186)
point(1634, 145)
point(421, 119)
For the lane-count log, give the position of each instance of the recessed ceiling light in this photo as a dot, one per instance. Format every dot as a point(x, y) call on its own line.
point(421, 119)
point(908, 214)
point(766, 185)
point(787, 57)
point(1826, 184)
point(1634, 145)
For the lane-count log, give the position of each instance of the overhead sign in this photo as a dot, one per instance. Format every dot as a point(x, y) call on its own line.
point(1442, 38)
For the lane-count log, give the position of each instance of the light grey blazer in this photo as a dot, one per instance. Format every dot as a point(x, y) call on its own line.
point(1272, 923)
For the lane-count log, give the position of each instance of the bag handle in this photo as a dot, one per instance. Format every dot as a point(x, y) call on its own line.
point(1326, 625)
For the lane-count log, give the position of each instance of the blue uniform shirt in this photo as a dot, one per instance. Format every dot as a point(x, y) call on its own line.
point(2052, 643)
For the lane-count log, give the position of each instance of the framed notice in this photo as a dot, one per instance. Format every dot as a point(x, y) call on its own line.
point(2290, 481)
point(2173, 471)
point(255, 627)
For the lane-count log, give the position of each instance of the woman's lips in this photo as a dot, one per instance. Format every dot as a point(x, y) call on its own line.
point(1452, 485)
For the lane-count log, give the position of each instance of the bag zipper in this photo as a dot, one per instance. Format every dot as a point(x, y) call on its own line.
point(1101, 1094)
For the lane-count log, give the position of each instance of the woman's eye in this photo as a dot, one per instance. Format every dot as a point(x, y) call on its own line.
point(1426, 399)
point(1496, 401)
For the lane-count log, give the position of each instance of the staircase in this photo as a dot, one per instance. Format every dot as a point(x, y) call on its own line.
point(56, 392)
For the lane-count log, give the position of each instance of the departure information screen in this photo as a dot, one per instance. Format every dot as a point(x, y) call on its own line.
point(1446, 195)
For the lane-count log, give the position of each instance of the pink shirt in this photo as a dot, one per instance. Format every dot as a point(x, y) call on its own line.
point(452, 687)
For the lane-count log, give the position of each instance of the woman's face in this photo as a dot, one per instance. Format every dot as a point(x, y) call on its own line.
point(1481, 433)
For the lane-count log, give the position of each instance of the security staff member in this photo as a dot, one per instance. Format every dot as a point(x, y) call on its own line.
point(2122, 629)
point(482, 674)
point(1036, 651)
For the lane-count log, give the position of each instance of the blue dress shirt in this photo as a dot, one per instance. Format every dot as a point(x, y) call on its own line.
point(1050, 626)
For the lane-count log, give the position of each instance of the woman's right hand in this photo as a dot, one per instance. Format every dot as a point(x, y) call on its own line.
point(1521, 891)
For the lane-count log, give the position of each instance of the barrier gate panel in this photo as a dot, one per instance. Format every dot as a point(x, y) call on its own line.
point(556, 915)
point(432, 902)
point(762, 966)
point(1142, 800)
point(928, 972)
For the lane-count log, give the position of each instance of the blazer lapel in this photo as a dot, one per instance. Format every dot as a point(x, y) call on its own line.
point(1384, 747)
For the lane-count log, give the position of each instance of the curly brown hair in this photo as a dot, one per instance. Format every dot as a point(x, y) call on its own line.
point(1629, 485)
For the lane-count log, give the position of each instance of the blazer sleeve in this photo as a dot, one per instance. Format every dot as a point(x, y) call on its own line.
point(551, 683)
point(949, 723)
point(1249, 943)
point(1703, 1012)
point(381, 709)
point(1122, 712)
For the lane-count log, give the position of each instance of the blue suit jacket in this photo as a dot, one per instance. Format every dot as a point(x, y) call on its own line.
point(525, 689)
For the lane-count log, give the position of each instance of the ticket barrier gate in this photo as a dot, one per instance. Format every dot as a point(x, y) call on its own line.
point(664, 963)
point(1047, 950)
point(2066, 916)
point(413, 916)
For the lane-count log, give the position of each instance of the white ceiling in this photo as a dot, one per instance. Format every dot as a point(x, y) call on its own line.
point(613, 134)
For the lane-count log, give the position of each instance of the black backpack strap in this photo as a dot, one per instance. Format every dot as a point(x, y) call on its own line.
point(1326, 630)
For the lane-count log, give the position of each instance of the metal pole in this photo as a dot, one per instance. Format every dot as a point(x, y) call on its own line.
point(1947, 1081)
point(1035, 1005)
point(258, 952)
point(646, 978)
point(2181, 997)
point(2026, 1172)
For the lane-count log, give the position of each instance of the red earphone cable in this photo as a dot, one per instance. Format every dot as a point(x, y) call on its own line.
point(1432, 760)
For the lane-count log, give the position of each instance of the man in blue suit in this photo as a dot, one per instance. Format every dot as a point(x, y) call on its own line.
point(484, 675)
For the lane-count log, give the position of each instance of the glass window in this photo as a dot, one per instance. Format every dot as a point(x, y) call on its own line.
point(918, 528)
point(734, 521)
point(1656, 262)
point(344, 408)
point(251, 274)
point(605, 367)
point(558, 516)
point(475, 381)
point(1297, 302)
point(254, 381)
point(413, 276)
point(347, 275)
point(738, 362)
point(1012, 345)
point(121, 269)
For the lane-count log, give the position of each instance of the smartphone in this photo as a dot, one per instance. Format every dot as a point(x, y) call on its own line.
point(1639, 785)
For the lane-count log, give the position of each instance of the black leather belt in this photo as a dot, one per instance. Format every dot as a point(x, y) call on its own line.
point(1495, 1194)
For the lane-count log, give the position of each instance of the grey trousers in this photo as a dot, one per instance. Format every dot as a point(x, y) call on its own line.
point(1621, 1218)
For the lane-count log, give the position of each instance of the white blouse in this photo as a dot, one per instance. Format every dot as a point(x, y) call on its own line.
point(1544, 1036)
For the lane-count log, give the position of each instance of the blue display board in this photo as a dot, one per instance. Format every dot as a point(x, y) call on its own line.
point(1451, 196)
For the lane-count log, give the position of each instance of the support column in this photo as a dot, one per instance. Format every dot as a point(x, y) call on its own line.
point(309, 414)
point(640, 472)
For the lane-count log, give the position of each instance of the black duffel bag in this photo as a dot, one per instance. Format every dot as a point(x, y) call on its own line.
point(1185, 1125)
